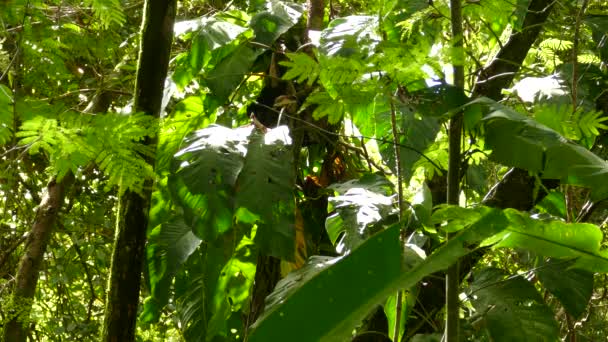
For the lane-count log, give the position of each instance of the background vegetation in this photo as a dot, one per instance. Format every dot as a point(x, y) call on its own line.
point(290, 173)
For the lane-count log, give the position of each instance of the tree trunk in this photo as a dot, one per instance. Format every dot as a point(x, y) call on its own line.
point(37, 240)
point(132, 220)
point(16, 329)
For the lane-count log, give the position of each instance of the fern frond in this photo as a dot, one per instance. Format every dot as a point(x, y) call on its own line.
point(109, 12)
point(301, 66)
point(114, 142)
point(556, 44)
point(590, 122)
point(326, 106)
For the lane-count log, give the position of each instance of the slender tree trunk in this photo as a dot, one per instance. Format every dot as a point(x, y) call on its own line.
point(36, 243)
point(132, 220)
point(452, 281)
point(16, 330)
point(516, 189)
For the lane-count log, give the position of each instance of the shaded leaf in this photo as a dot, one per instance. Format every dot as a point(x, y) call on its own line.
point(169, 246)
point(265, 187)
point(511, 308)
point(572, 287)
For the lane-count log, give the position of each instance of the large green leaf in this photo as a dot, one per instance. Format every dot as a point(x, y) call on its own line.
point(517, 140)
point(204, 177)
point(572, 287)
point(335, 294)
point(169, 246)
point(351, 35)
point(580, 241)
point(230, 71)
point(215, 39)
point(359, 205)
point(511, 308)
point(223, 172)
point(267, 27)
point(278, 17)
point(416, 134)
point(265, 188)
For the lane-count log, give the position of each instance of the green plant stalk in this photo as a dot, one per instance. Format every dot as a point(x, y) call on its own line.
point(399, 299)
point(453, 188)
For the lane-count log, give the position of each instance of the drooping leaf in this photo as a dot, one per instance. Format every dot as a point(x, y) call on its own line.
point(278, 17)
point(517, 140)
point(511, 308)
point(572, 287)
point(215, 39)
point(350, 35)
point(267, 27)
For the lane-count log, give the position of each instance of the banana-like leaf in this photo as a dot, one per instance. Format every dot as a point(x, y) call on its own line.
point(335, 294)
point(580, 241)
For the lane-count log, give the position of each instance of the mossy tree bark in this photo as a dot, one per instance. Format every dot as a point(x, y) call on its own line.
point(132, 219)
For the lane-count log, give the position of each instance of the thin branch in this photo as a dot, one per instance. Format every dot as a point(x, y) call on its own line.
point(384, 141)
point(4, 256)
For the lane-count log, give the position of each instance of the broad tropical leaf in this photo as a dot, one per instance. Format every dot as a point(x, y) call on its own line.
point(580, 241)
point(204, 176)
point(169, 246)
point(336, 293)
point(512, 308)
point(572, 287)
point(265, 188)
point(358, 207)
point(517, 140)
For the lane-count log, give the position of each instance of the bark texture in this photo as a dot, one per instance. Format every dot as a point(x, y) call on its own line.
point(132, 219)
point(37, 241)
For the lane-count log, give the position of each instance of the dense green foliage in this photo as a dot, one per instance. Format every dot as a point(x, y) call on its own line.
point(274, 211)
